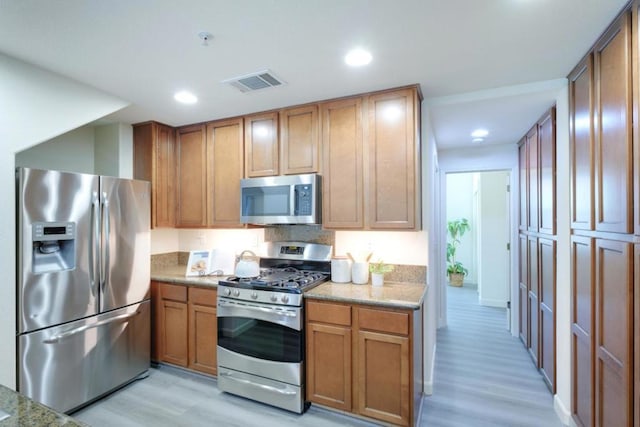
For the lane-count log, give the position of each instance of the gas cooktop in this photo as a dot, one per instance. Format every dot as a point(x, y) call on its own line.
point(288, 279)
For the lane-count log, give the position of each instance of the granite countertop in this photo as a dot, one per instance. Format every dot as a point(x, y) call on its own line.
point(391, 294)
point(175, 274)
point(24, 412)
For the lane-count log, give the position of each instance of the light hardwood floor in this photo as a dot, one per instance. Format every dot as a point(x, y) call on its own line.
point(483, 375)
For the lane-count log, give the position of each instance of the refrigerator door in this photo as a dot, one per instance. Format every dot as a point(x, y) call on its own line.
point(67, 366)
point(125, 265)
point(51, 291)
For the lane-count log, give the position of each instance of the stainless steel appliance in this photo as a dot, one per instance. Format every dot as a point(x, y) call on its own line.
point(261, 325)
point(291, 199)
point(83, 271)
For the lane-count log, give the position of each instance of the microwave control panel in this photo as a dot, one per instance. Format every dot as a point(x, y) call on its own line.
point(304, 199)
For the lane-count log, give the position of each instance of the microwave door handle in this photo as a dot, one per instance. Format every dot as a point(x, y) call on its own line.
point(294, 201)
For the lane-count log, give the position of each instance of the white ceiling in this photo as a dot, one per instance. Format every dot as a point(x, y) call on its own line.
point(489, 63)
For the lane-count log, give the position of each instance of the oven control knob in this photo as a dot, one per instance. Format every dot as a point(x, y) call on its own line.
point(254, 295)
point(285, 299)
point(274, 298)
point(227, 292)
point(236, 293)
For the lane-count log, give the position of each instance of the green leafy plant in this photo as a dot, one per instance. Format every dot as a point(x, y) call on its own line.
point(455, 230)
point(380, 267)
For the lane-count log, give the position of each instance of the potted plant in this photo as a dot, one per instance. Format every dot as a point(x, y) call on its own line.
point(377, 270)
point(455, 270)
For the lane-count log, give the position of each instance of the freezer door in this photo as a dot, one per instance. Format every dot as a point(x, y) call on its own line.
point(67, 366)
point(53, 294)
point(125, 264)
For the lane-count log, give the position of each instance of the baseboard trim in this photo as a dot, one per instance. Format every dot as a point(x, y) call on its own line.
point(428, 385)
point(493, 302)
point(562, 412)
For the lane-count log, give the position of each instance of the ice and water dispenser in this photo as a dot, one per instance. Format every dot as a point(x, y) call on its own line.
point(54, 246)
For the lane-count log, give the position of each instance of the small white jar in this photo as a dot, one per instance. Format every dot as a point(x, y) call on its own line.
point(340, 269)
point(360, 273)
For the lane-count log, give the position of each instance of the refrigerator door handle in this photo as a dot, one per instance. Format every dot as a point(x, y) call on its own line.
point(104, 271)
point(122, 317)
point(94, 242)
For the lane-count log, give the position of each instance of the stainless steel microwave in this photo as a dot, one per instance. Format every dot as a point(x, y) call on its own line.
point(290, 199)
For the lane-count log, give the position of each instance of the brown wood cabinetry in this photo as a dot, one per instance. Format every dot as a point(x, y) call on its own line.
point(224, 172)
point(365, 360)
point(371, 161)
point(185, 326)
point(533, 305)
point(192, 176)
point(261, 145)
point(547, 171)
point(532, 179)
point(523, 163)
point(547, 276)
point(523, 292)
point(299, 140)
point(154, 161)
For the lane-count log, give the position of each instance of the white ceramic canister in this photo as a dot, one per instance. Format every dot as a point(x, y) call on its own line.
point(360, 273)
point(340, 269)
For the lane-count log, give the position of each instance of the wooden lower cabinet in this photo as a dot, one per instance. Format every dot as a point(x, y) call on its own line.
point(185, 326)
point(365, 360)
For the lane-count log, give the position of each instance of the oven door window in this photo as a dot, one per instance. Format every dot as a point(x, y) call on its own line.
point(260, 339)
point(266, 201)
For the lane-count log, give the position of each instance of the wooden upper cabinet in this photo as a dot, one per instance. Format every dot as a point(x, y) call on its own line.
point(342, 145)
point(613, 125)
point(224, 172)
point(393, 160)
point(524, 185)
point(547, 149)
point(261, 145)
point(299, 140)
point(192, 176)
point(532, 171)
point(581, 143)
point(154, 161)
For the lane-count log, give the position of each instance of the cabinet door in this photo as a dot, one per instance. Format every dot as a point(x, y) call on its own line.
point(156, 321)
point(614, 333)
point(383, 377)
point(192, 177)
point(534, 301)
point(224, 172)
point(523, 164)
point(174, 346)
point(342, 186)
point(614, 148)
point(523, 297)
point(636, 295)
point(547, 149)
point(299, 139)
point(393, 154)
point(532, 170)
point(261, 145)
point(582, 329)
point(581, 143)
point(547, 261)
point(329, 365)
point(203, 338)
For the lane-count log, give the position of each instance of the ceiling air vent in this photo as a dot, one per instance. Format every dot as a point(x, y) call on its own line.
point(255, 81)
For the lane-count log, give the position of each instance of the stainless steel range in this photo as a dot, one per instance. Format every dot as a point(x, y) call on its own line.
point(261, 325)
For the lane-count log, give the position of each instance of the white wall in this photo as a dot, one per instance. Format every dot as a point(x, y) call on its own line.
point(71, 152)
point(493, 236)
point(461, 204)
point(394, 247)
point(36, 105)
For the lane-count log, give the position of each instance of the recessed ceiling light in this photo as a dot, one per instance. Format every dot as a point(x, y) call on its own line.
point(185, 97)
point(357, 57)
point(477, 140)
point(479, 133)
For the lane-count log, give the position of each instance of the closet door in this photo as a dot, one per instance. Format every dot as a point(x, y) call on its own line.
point(613, 124)
point(533, 163)
point(523, 293)
point(547, 261)
point(547, 149)
point(614, 333)
point(524, 185)
point(534, 301)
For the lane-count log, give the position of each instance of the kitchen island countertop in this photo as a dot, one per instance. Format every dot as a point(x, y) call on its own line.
point(25, 412)
point(391, 294)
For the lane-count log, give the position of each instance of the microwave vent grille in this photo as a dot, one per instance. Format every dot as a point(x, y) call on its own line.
point(255, 81)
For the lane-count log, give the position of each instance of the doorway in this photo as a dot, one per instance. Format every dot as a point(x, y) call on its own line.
point(483, 199)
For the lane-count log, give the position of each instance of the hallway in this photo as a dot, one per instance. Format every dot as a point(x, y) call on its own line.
point(483, 375)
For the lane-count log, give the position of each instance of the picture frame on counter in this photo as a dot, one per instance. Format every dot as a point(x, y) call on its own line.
point(199, 263)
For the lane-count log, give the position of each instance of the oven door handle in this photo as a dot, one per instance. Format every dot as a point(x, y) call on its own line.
point(262, 386)
point(269, 311)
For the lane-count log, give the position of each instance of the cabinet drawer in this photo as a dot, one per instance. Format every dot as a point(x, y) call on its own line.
point(174, 292)
point(383, 321)
point(203, 296)
point(335, 314)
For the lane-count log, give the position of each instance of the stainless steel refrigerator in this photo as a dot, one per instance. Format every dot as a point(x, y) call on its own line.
point(83, 270)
